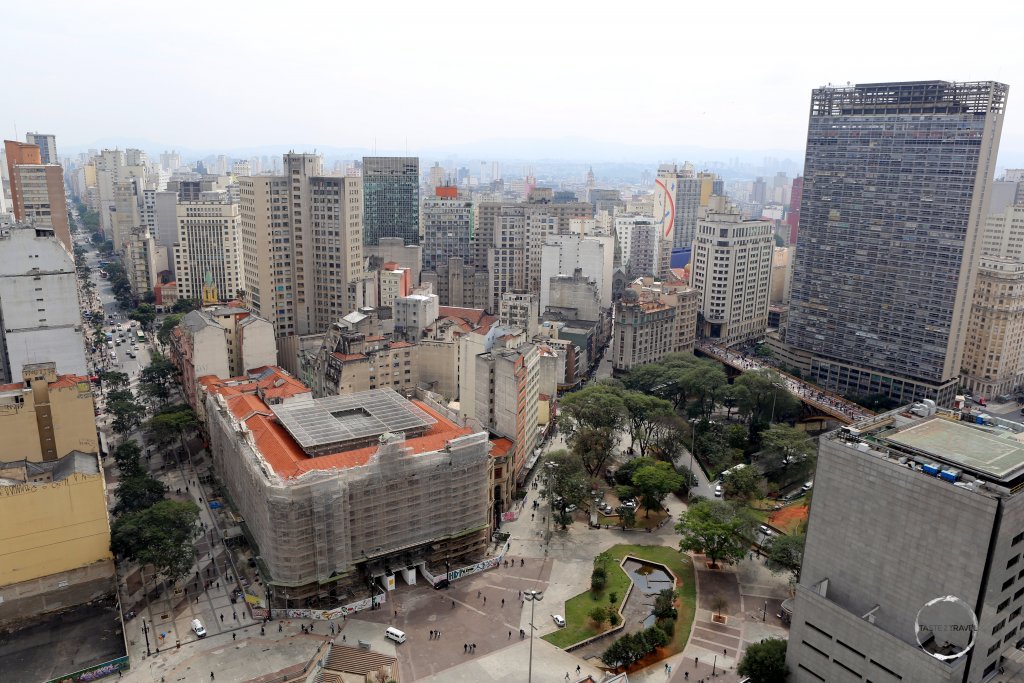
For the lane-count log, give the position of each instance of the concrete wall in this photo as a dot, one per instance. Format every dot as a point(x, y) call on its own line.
point(439, 366)
point(53, 527)
point(74, 425)
point(28, 600)
point(256, 344)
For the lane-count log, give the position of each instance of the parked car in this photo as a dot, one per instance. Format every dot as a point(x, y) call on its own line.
point(808, 485)
point(559, 620)
point(766, 530)
point(718, 490)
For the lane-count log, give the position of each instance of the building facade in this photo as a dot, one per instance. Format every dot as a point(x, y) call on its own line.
point(855, 615)
point(653, 319)
point(41, 200)
point(38, 303)
point(993, 361)
point(391, 199)
point(732, 270)
point(384, 486)
point(208, 249)
point(893, 208)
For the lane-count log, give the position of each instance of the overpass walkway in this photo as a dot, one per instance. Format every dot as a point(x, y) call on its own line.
point(831, 404)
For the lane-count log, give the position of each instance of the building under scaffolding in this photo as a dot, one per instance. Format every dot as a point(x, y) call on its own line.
point(339, 494)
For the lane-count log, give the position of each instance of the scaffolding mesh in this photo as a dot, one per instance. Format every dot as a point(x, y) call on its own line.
point(385, 514)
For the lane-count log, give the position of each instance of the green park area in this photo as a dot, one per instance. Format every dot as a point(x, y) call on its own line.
point(578, 610)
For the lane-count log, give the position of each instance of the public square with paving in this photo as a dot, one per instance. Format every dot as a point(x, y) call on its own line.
point(469, 612)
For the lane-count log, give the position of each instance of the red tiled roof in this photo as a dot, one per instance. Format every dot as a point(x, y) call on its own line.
point(349, 357)
point(501, 446)
point(12, 387)
point(400, 345)
point(475, 319)
point(65, 381)
point(288, 460)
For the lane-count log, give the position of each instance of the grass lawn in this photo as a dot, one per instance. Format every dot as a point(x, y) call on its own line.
point(578, 625)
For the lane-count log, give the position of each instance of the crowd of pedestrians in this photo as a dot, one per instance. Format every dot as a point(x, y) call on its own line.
point(806, 392)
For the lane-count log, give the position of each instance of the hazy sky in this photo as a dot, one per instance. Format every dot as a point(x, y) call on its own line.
point(220, 75)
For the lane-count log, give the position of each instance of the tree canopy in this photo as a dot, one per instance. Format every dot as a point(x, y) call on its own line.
point(126, 410)
point(654, 482)
point(646, 415)
point(157, 380)
point(762, 397)
point(137, 492)
point(564, 478)
point(162, 535)
point(144, 314)
point(719, 529)
point(788, 450)
point(765, 662)
point(786, 554)
point(744, 483)
point(112, 378)
point(168, 324)
point(170, 423)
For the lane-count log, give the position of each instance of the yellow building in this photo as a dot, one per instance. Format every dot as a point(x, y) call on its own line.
point(54, 535)
point(46, 416)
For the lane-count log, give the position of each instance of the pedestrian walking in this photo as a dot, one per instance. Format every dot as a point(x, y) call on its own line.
point(503, 603)
point(522, 562)
point(510, 635)
point(453, 604)
point(234, 636)
point(222, 618)
point(465, 648)
point(577, 669)
point(485, 599)
point(212, 676)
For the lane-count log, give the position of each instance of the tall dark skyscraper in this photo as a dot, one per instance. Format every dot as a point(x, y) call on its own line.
point(391, 199)
point(893, 208)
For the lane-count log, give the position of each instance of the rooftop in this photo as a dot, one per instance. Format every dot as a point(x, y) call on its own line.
point(334, 421)
point(996, 452)
point(968, 449)
point(289, 460)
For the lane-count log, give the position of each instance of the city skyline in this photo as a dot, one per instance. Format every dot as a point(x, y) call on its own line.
point(419, 92)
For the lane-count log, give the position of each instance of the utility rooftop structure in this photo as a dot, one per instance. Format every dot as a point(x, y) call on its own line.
point(333, 423)
point(910, 506)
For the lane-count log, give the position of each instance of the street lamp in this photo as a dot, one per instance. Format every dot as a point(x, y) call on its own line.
point(775, 394)
point(551, 497)
point(534, 597)
point(693, 446)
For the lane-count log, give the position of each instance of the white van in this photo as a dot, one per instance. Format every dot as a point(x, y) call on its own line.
point(198, 629)
point(395, 635)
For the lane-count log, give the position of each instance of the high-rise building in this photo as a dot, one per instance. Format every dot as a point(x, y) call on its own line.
point(653, 319)
point(946, 498)
point(732, 269)
point(47, 146)
point(677, 196)
point(41, 198)
point(894, 204)
point(993, 360)
point(507, 394)
point(563, 254)
point(208, 250)
point(38, 303)
point(447, 228)
point(796, 194)
point(391, 199)
point(301, 237)
point(37, 189)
